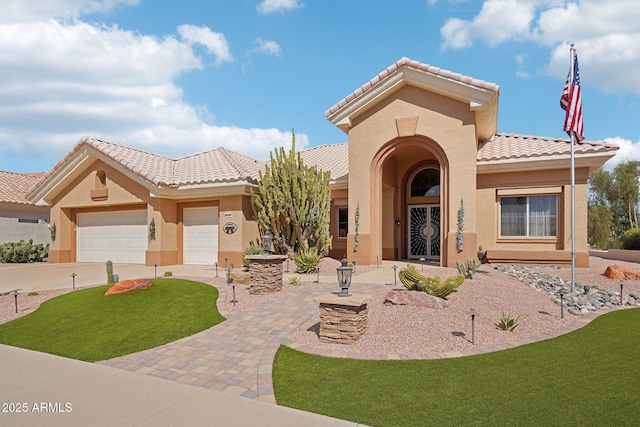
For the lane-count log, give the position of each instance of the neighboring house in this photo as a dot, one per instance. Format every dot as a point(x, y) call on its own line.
point(19, 219)
point(422, 143)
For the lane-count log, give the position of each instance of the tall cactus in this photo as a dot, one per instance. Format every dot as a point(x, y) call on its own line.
point(293, 201)
point(110, 273)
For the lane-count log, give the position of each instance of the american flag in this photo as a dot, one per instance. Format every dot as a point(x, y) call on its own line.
point(571, 102)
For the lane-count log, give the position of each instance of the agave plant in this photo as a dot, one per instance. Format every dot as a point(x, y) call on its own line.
point(307, 260)
point(508, 323)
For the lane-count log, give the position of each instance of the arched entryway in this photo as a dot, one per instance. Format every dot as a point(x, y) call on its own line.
point(410, 178)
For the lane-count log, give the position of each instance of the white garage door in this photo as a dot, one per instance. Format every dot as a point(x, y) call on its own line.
point(200, 236)
point(116, 236)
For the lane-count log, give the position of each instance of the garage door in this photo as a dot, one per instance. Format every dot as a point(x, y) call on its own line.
point(200, 236)
point(116, 236)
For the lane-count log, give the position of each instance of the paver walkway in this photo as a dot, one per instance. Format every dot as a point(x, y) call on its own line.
point(235, 356)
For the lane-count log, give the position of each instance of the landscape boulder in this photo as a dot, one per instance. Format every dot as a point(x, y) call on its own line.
point(621, 273)
point(241, 277)
point(128, 285)
point(416, 299)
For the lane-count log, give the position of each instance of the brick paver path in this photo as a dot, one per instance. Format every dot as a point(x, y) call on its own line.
point(235, 356)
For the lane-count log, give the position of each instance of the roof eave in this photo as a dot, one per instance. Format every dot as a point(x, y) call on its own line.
point(190, 191)
point(592, 161)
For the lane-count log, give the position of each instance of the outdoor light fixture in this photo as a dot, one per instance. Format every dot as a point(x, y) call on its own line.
point(473, 326)
point(233, 285)
point(216, 268)
point(344, 278)
point(73, 280)
point(621, 300)
point(562, 292)
point(317, 275)
point(266, 242)
point(155, 269)
point(422, 260)
point(395, 277)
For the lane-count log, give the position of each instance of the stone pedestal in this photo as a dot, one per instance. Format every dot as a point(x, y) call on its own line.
point(265, 273)
point(342, 319)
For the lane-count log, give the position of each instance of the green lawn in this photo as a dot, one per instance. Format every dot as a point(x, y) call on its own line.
point(87, 325)
point(590, 377)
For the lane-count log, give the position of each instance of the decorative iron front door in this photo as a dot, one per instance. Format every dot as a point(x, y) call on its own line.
point(424, 231)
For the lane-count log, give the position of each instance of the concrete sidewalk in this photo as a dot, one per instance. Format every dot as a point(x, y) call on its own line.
point(52, 390)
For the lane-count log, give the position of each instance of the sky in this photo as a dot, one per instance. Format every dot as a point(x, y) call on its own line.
point(177, 78)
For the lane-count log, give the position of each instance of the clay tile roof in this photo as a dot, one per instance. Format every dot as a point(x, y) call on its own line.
point(330, 157)
point(219, 165)
point(505, 146)
point(406, 62)
point(14, 187)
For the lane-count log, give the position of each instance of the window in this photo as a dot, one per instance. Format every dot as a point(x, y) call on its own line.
point(343, 223)
point(426, 183)
point(533, 216)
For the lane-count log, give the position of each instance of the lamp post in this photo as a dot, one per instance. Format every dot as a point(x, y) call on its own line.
point(216, 269)
point(395, 276)
point(73, 280)
point(344, 278)
point(422, 260)
point(473, 326)
point(562, 292)
point(233, 285)
point(155, 269)
point(267, 238)
point(621, 299)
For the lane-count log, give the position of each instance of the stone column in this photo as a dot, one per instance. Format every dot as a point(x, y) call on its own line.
point(265, 273)
point(342, 319)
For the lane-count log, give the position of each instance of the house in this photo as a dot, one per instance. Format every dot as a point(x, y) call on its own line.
point(19, 219)
point(424, 174)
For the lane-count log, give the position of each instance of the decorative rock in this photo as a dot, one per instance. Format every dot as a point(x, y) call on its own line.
point(416, 299)
point(128, 285)
point(586, 298)
point(621, 273)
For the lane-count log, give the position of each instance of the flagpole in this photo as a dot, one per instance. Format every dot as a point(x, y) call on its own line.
point(573, 192)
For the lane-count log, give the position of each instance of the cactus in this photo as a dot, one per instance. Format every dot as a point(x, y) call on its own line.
point(110, 273)
point(469, 268)
point(294, 202)
point(414, 281)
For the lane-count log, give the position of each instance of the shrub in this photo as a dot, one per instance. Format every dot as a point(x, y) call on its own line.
point(250, 250)
point(22, 252)
point(168, 274)
point(32, 294)
point(507, 323)
point(294, 280)
point(631, 239)
point(468, 269)
point(307, 260)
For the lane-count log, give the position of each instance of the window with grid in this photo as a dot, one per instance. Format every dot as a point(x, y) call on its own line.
point(343, 223)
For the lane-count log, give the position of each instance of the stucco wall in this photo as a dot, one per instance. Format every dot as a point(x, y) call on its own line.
point(16, 223)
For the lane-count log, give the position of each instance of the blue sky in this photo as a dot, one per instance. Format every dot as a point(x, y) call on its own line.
point(176, 78)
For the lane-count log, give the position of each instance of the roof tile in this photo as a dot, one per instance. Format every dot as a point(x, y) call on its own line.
point(14, 187)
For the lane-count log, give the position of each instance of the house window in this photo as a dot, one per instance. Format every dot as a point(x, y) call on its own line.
point(533, 216)
point(343, 223)
point(426, 183)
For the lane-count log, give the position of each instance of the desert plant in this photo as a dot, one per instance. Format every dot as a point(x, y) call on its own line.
point(631, 239)
point(23, 252)
point(293, 202)
point(468, 269)
point(32, 293)
point(307, 260)
point(110, 272)
point(508, 323)
point(294, 280)
point(168, 274)
point(415, 281)
point(250, 250)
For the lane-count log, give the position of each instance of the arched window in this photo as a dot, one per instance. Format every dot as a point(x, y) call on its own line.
point(426, 183)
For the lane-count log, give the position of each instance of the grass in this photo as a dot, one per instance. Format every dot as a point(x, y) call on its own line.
point(590, 377)
point(87, 325)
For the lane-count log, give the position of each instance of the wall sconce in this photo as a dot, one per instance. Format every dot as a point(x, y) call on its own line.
point(397, 222)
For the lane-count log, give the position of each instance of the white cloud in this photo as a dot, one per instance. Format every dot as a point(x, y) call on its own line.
point(215, 43)
point(498, 20)
point(267, 46)
point(272, 6)
point(35, 11)
point(628, 151)
point(606, 34)
point(62, 79)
